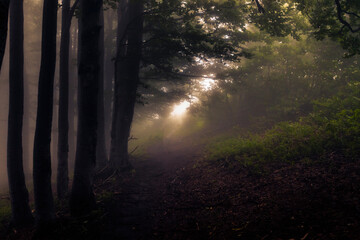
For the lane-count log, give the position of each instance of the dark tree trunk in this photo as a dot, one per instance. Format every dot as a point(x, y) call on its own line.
point(126, 82)
point(108, 76)
point(21, 213)
point(4, 10)
point(82, 199)
point(122, 16)
point(72, 95)
point(63, 122)
point(44, 205)
point(54, 127)
point(101, 158)
point(26, 131)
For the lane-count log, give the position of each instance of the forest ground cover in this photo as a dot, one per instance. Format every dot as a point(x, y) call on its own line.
point(177, 194)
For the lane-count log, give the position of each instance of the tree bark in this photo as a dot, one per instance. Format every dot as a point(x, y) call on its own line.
point(26, 132)
point(73, 96)
point(82, 199)
point(101, 156)
point(44, 205)
point(4, 10)
point(122, 15)
point(26, 139)
point(63, 122)
point(126, 82)
point(21, 213)
point(108, 76)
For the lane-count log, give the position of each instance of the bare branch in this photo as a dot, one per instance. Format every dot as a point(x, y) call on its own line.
point(260, 8)
point(342, 20)
point(134, 150)
point(132, 138)
point(73, 8)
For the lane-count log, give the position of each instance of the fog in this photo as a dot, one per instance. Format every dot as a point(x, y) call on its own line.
point(207, 95)
point(32, 52)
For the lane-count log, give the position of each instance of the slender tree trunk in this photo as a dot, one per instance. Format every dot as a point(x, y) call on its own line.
point(122, 15)
point(63, 122)
point(44, 205)
point(101, 158)
point(4, 10)
point(126, 81)
point(54, 128)
point(26, 131)
point(82, 199)
point(108, 77)
point(21, 213)
point(72, 101)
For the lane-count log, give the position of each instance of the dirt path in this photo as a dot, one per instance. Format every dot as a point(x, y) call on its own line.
point(139, 207)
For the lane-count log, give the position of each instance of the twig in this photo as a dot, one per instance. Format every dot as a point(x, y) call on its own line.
point(305, 236)
point(134, 150)
point(132, 138)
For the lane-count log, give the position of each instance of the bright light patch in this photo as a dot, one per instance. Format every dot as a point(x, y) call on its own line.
point(204, 62)
point(155, 116)
point(207, 84)
point(180, 109)
point(193, 99)
point(201, 21)
point(199, 61)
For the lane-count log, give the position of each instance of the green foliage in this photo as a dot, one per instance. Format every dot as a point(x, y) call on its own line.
point(281, 18)
point(337, 19)
point(334, 126)
point(177, 31)
point(279, 82)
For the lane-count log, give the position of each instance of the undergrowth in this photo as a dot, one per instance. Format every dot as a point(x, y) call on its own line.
point(5, 214)
point(332, 127)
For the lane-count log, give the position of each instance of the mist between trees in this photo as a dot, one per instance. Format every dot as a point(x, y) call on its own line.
point(161, 71)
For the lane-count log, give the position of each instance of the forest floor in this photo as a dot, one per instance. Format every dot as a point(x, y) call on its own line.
point(174, 193)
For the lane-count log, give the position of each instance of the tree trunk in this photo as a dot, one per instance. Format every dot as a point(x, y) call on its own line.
point(63, 122)
point(21, 213)
point(44, 205)
point(122, 15)
point(4, 10)
point(26, 131)
point(126, 82)
point(101, 157)
point(82, 199)
point(72, 101)
point(108, 77)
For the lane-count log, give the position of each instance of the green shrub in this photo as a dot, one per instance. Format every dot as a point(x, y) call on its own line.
point(333, 126)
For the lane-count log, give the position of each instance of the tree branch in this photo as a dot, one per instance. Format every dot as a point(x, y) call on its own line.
point(260, 8)
point(342, 20)
point(72, 10)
